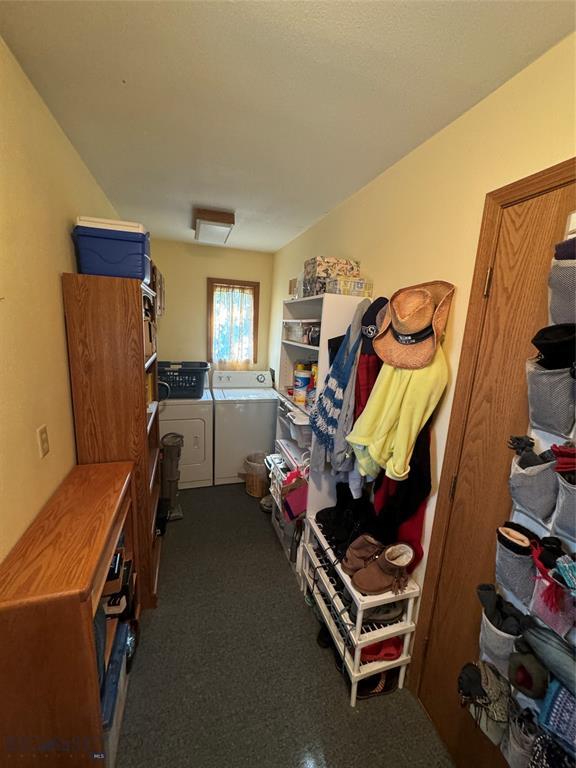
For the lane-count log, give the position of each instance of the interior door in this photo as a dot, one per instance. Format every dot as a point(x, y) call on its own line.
point(497, 408)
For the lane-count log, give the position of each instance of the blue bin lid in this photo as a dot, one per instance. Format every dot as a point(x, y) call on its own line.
point(110, 234)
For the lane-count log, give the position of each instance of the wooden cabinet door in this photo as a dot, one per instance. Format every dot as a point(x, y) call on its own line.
point(517, 306)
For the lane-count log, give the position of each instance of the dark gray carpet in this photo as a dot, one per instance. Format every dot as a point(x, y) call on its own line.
point(228, 673)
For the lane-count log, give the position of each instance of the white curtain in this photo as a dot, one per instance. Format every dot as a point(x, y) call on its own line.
point(233, 326)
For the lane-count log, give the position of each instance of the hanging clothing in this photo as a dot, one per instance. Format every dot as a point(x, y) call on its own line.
point(368, 369)
point(400, 404)
point(369, 363)
point(410, 532)
point(333, 413)
point(395, 503)
point(342, 457)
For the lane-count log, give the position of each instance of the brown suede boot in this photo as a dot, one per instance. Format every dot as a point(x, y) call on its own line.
point(362, 551)
point(387, 572)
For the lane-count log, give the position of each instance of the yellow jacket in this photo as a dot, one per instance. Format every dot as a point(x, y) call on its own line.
point(400, 404)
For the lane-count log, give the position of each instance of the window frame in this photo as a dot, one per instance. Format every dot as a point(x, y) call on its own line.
point(211, 284)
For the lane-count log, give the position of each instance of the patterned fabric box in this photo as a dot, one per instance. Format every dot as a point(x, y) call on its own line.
point(314, 286)
point(323, 267)
point(349, 286)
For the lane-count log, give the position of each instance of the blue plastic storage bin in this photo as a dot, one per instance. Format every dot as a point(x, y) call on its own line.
point(112, 252)
point(186, 379)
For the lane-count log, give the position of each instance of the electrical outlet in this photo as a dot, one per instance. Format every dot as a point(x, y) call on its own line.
point(43, 443)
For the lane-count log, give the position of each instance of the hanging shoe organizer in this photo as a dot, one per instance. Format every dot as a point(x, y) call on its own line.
point(543, 505)
point(334, 595)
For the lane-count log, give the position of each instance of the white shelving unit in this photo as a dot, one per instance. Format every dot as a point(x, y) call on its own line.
point(333, 313)
point(300, 345)
point(325, 580)
point(279, 468)
point(294, 440)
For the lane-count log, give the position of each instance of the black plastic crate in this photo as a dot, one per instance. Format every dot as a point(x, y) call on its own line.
point(185, 379)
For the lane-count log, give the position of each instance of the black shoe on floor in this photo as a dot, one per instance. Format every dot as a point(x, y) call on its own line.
point(378, 685)
point(323, 638)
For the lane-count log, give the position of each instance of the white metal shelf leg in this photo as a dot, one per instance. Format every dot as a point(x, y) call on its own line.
point(402, 675)
point(299, 563)
point(305, 573)
point(354, 682)
point(406, 644)
point(358, 628)
point(353, 694)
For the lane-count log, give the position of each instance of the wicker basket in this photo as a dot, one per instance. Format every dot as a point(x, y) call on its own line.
point(256, 475)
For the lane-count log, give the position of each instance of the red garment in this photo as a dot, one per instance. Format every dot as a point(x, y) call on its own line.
point(385, 650)
point(384, 489)
point(565, 458)
point(400, 506)
point(367, 373)
point(410, 532)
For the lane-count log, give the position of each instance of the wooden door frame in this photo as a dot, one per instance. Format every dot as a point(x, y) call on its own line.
point(532, 186)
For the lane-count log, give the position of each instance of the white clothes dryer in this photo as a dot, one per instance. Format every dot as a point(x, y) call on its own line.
point(245, 405)
point(195, 420)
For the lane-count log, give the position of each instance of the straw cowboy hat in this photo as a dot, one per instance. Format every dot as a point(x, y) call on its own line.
point(413, 324)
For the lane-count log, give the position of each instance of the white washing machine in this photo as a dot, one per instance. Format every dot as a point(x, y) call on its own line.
point(245, 405)
point(195, 420)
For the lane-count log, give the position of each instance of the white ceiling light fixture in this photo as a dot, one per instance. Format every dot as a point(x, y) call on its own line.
point(212, 226)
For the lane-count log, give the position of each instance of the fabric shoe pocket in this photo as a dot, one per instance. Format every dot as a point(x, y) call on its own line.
point(516, 573)
point(517, 746)
point(561, 620)
point(550, 399)
point(495, 645)
point(493, 730)
point(534, 489)
point(562, 282)
point(564, 518)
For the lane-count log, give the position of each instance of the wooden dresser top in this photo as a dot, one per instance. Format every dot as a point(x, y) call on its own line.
point(68, 546)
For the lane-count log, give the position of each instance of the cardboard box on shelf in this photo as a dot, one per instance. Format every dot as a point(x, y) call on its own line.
point(328, 266)
point(314, 286)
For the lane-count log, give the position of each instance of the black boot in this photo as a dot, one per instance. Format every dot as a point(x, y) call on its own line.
point(336, 522)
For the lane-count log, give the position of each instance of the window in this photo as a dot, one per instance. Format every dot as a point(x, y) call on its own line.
point(232, 322)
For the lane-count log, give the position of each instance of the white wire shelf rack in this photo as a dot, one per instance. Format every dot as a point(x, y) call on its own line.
point(294, 456)
point(368, 632)
point(362, 601)
point(333, 594)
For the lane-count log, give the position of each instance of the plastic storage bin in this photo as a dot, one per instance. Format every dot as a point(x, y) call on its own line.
point(113, 253)
point(185, 379)
point(302, 331)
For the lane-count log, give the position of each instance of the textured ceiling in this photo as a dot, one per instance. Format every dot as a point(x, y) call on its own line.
point(279, 110)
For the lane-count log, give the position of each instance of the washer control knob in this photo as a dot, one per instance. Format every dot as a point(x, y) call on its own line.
point(261, 378)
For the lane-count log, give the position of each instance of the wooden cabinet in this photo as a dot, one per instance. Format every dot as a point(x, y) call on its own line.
point(110, 325)
point(50, 586)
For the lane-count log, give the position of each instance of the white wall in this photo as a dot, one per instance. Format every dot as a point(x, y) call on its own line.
point(420, 219)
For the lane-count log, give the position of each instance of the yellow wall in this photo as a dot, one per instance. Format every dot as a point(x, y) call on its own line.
point(182, 331)
point(44, 185)
point(420, 219)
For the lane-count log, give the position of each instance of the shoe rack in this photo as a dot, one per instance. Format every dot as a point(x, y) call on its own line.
point(332, 590)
